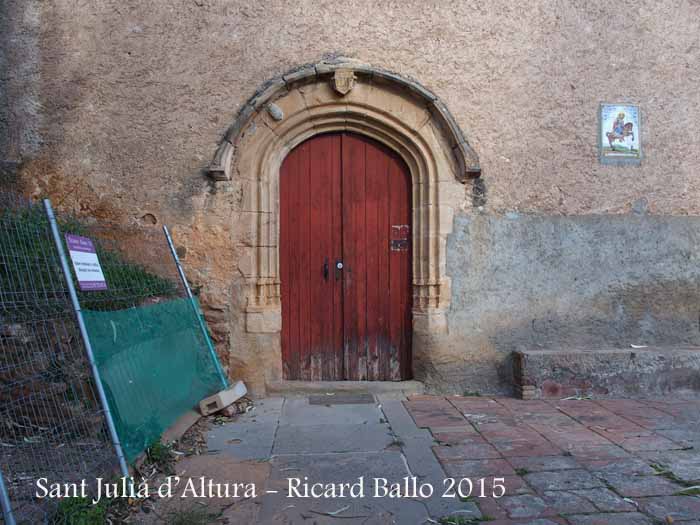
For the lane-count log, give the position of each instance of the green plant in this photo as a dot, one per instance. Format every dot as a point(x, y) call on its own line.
point(160, 455)
point(461, 519)
point(80, 511)
point(689, 490)
point(27, 242)
point(190, 516)
point(469, 393)
point(521, 471)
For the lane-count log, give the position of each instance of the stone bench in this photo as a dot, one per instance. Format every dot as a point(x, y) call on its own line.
point(643, 372)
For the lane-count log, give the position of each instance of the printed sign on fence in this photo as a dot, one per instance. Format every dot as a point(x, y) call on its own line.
point(87, 267)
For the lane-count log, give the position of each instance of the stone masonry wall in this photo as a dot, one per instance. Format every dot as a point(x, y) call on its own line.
point(114, 108)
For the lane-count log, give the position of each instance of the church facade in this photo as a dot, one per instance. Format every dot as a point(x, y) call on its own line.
point(380, 191)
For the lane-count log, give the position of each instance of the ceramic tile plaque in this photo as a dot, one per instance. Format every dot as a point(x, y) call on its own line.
point(619, 134)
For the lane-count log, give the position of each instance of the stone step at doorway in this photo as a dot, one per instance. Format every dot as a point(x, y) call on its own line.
point(405, 388)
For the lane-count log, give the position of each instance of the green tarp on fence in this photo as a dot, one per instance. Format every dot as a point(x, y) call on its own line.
point(155, 365)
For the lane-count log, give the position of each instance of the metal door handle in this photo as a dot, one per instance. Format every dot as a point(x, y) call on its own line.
point(325, 269)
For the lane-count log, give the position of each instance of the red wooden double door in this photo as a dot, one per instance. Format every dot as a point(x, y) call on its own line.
point(345, 261)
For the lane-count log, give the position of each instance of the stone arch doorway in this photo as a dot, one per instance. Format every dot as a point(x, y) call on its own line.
point(343, 96)
point(345, 261)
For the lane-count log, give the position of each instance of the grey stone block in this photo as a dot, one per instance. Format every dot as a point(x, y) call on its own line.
point(267, 410)
point(298, 411)
point(320, 439)
point(579, 370)
point(299, 74)
point(399, 419)
point(243, 441)
point(339, 468)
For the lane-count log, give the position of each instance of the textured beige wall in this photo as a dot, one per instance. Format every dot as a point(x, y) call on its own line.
point(132, 98)
point(136, 94)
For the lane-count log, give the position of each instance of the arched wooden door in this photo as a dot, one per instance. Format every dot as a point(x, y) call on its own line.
point(345, 261)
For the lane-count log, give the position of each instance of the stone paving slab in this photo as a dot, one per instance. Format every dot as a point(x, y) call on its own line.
point(626, 466)
point(679, 508)
point(266, 410)
point(530, 521)
point(684, 464)
point(625, 518)
point(322, 439)
point(569, 502)
point(543, 463)
point(298, 411)
point(402, 423)
point(632, 486)
point(435, 412)
point(478, 468)
point(474, 450)
point(335, 468)
point(243, 441)
point(526, 506)
point(562, 480)
point(605, 500)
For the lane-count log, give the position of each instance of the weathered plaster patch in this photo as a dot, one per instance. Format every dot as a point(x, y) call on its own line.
point(532, 282)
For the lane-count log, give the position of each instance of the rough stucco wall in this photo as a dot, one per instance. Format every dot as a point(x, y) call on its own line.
point(132, 98)
point(19, 79)
point(138, 94)
point(523, 282)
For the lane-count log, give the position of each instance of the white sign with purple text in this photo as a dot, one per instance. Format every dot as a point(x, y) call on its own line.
point(85, 263)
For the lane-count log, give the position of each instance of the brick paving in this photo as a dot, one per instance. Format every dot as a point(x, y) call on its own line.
point(576, 462)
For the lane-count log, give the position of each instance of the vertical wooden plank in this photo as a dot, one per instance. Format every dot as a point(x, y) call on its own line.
point(324, 168)
point(384, 298)
point(400, 274)
point(296, 277)
point(407, 277)
point(376, 290)
point(337, 368)
point(289, 242)
point(303, 262)
point(355, 271)
point(395, 307)
point(317, 251)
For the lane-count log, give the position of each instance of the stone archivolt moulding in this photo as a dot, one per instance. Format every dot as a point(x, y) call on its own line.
point(386, 107)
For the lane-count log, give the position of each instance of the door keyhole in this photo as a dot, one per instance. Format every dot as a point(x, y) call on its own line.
point(338, 269)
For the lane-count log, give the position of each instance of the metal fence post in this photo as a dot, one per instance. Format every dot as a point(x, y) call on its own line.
point(86, 339)
point(197, 313)
point(5, 503)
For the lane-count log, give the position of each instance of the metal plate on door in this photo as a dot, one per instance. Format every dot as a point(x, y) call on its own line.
point(400, 231)
point(399, 245)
